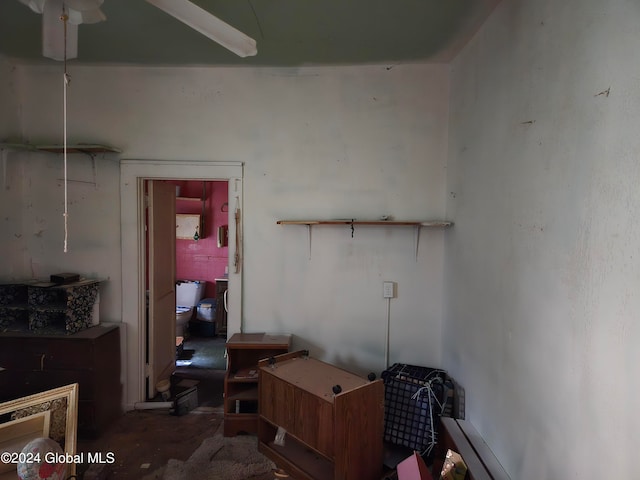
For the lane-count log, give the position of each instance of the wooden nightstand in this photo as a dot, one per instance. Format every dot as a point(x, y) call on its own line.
point(244, 350)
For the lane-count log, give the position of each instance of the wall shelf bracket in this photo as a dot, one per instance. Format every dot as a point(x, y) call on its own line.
point(95, 169)
point(5, 180)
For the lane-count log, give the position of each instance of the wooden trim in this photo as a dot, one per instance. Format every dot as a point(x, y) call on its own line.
point(461, 437)
point(281, 358)
point(15, 434)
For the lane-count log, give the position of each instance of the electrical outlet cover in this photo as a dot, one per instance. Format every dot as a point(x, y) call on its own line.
point(387, 290)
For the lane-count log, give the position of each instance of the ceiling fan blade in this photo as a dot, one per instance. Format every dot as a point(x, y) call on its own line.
point(35, 5)
point(208, 25)
point(82, 5)
point(77, 17)
point(85, 11)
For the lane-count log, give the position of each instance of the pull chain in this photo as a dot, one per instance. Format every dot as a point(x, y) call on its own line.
point(67, 79)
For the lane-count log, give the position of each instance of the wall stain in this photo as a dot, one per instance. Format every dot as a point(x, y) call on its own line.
point(604, 92)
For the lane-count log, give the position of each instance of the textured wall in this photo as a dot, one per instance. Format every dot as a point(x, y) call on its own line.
point(542, 266)
point(326, 142)
point(10, 176)
point(10, 114)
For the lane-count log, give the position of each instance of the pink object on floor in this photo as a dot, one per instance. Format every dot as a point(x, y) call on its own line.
point(413, 468)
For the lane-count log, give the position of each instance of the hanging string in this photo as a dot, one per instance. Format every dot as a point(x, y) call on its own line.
point(64, 17)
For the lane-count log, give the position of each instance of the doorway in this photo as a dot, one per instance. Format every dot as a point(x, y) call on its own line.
point(202, 272)
point(133, 175)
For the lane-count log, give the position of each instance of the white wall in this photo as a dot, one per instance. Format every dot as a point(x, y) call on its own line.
point(542, 265)
point(9, 114)
point(349, 143)
point(317, 142)
point(10, 176)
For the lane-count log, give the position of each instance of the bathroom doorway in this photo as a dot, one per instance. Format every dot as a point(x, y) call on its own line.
point(202, 272)
point(133, 175)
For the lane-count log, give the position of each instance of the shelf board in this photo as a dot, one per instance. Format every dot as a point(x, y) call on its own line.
point(88, 148)
point(244, 375)
point(296, 455)
point(389, 223)
point(190, 199)
point(249, 394)
point(258, 341)
point(416, 224)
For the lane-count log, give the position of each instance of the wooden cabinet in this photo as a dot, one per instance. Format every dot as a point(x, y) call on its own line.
point(222, 284)
point(33, 363)
point(190, 215)
point(189, 226)
point(244, 350)
point(329, 436)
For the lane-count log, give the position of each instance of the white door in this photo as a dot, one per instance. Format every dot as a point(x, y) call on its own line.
point(161, 329)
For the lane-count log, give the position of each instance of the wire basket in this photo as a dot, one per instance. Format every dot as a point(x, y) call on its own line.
point(414, 400)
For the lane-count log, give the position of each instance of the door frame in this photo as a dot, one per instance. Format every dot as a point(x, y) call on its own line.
point(133, 173)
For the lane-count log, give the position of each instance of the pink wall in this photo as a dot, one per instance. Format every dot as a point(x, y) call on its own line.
point(203, 260)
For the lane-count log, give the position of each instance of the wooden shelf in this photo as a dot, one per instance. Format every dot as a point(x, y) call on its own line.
point(244, 351)
point(352, 223)
point(87, 148)
point(244, 375)
point(386, 223)
point(190, 199)
point(249, 394)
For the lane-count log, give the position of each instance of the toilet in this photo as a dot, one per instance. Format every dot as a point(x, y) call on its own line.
point(183, 315)
point(188, 294)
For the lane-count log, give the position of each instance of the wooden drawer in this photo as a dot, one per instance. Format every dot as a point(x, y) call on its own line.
point(18, 383)
point(40, 354)
point(47, 353)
